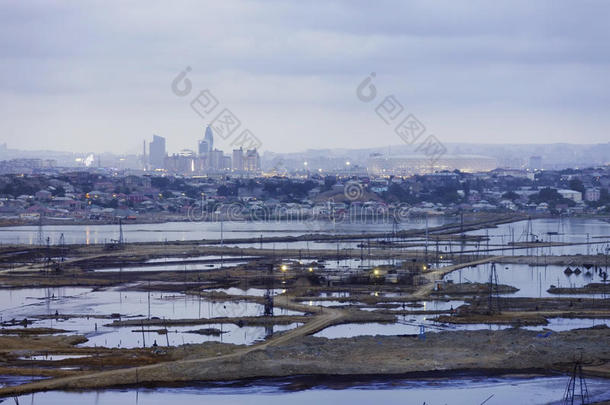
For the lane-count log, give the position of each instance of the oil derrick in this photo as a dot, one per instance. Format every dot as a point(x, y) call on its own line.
point(120, 231)
point(395, 239)
point(574, 394)
point(494, 291)
point(437, 253)
point(268, 306)
point(40, 233)
point(62, 248)
point(48, 260)
point(116, 243)
point(426, 247)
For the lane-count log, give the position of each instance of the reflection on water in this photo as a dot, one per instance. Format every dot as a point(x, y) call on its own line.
point(329, 303)
point(257, 292)
point(407, 325)
point(129, 337)
point(137, 303)
point(11, 300)
point(54, 357)
point(410, 325)
point(89, 305)
point(532, 281)
point(355, 391)
point(561, 324)
point(173, 231)
point(9, 380)
point(177, 267)
point(565, 230)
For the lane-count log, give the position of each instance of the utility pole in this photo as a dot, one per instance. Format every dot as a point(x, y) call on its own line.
point(62, 248)
point(221, 240)
point(426, 248)
point(588, 246)
point(48, 258)
point(487, 237)
point(494, 293)
point(268, 305)
point(149, 299)
point(121, 232)
point(437, 258)
point(40, 234)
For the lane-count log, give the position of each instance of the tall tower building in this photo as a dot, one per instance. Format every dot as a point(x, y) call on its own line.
point(238, 160)
point(156, 152)
point(209, 138)
point(252, 161)
point(206, 145)
point(216, 160)
point(204, 148)
point(144, 159)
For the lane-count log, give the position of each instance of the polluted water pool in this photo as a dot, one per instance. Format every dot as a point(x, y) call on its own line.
point(532, 281)
point(353, 390)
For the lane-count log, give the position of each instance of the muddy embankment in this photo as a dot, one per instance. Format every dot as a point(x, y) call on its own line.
point(591, 288)
point(511, 349)
point(527, 311)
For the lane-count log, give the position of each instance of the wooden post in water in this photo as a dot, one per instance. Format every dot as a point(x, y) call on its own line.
point(143, 336)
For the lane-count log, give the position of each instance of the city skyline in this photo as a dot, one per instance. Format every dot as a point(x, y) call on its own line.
point(205, 160)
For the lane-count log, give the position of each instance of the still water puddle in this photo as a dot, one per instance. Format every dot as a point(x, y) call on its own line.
point(92, 308)
point(355, 391)
point(196, 258)
point(429, 305)
point(129, 337)
point(329, 303)
point(561, 324)
point(411, 325)
point(12, 300)
point(185, 266)
point(140, 303)
point(54, 357)
point(257, 292)
point(532, 281)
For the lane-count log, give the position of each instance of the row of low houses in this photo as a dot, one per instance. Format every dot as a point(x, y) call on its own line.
point(325, 197)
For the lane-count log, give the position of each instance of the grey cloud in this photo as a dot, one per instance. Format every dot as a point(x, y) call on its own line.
point(517, 57)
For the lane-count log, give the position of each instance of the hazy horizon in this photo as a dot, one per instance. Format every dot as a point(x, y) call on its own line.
point(138, 151)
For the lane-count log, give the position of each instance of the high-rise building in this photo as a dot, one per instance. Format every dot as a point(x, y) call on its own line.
point(216, 160)
point(253, 161)
point(144, 159)
point(204, 147)
point(226, 162)
point(156, 152)
point(238, 160)
point(209, 138)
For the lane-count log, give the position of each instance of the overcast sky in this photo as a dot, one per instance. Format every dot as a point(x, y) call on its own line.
point(96, 76)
